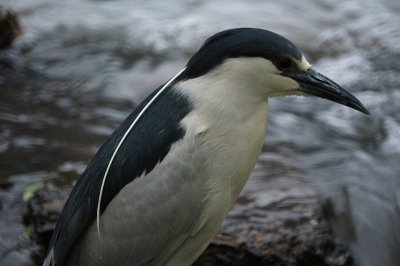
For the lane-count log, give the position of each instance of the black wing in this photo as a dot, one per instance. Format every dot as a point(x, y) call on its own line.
point(145, 146)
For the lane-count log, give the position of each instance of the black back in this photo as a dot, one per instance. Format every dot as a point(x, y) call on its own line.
point(145, 146)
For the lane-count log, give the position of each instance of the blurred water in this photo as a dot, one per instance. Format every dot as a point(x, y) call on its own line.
point(83, 65)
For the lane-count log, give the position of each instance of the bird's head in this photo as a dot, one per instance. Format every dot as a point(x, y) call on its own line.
point(266, 64)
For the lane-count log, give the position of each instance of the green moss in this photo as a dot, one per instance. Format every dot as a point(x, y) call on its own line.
point(31, 190)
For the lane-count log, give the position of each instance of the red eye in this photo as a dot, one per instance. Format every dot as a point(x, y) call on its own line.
point(283, 63)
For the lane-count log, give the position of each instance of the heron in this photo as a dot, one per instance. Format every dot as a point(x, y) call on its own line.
point(157, 191)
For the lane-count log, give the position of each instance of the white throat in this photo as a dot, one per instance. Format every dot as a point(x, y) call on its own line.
point(229, 119)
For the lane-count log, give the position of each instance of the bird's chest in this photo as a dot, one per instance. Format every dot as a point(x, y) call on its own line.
point(232, 147)
point(234, 154)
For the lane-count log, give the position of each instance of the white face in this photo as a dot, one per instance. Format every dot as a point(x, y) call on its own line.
point(258, 76)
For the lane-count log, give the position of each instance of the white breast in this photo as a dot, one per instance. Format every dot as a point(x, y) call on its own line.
point(229, 126)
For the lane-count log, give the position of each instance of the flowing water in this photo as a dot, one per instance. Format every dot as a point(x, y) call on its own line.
point(82, 65)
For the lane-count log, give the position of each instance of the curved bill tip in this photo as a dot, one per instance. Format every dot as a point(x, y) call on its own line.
point(362, 109)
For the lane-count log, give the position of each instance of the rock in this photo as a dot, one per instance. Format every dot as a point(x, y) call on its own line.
point(287, 230)
point(283, 229)
point(9, 28)
point(42, 212)
point(310, 242)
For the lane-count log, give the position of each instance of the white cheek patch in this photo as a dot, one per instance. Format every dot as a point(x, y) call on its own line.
point(302, 64)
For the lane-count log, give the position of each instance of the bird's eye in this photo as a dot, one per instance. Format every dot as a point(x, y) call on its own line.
point(283, 63)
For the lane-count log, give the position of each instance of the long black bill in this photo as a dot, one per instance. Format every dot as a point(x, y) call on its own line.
point(314, 83)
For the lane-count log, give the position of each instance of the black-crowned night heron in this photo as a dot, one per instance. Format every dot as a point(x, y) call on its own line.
point(159, 188)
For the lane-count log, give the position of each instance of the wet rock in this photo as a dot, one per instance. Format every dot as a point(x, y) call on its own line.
point(307, 242)
point(43, 209)
point(9, 28)
point(282, 226)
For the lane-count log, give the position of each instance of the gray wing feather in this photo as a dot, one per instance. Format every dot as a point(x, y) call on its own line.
point(132, 232)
